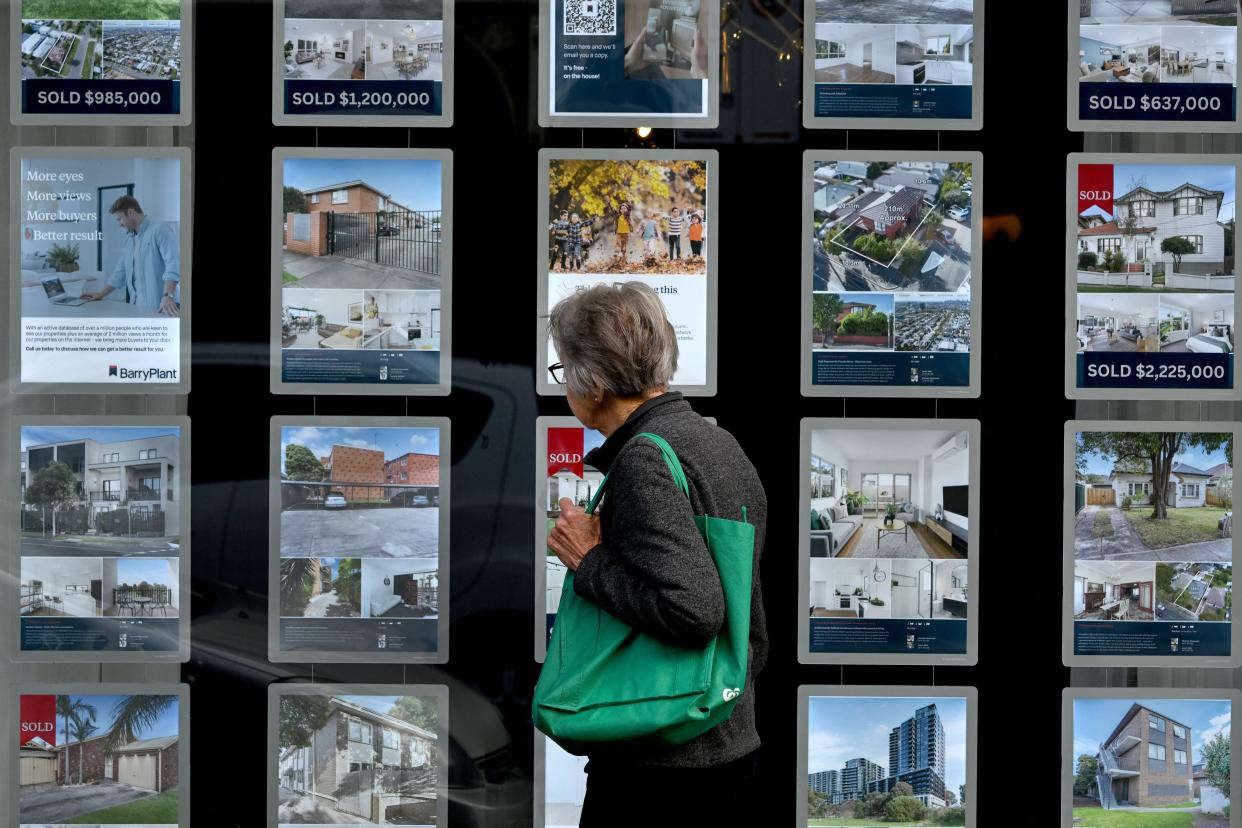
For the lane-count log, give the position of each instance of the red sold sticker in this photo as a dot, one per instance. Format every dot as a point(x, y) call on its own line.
point(1095, 188)
point(37, 726)
point(565, 449)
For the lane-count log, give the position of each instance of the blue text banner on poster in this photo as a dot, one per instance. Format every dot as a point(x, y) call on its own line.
point(359, 635)
point(588, 73)
point(98, 634)
point(1186, 102)
point(1155, 370)
point(361, 367)
point(1152, 638)
point(321, 97)
point(44, 96)
point(883, 368)
point(887, 635)
point(874, 100)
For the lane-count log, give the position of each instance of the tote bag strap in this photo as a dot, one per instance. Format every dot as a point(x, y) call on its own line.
point(670, 460)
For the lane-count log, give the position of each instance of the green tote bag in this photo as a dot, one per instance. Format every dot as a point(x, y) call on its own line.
point(605, 683)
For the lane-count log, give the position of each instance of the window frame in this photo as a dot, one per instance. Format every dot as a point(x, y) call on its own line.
point(1194, 203)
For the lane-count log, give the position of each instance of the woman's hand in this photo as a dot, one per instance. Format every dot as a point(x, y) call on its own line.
point(575, 534)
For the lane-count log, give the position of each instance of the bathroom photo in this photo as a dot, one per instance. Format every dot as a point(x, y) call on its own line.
point(850, 588)
point(927, 589)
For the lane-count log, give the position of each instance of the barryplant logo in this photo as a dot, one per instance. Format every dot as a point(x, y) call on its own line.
point(143, 374)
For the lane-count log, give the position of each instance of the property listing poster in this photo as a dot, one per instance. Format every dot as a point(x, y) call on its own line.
point(1185, 743)
point(1171, 61)
point(890, 537)
point(359, 539)
point(1153, 543)
point(100, 521)
point(643, 58)
point(103, 757)
point(563, 791)
point(891, 272)
point(101, 246)
point(1153, 281)
point(858, 749)
point(362, 263)
point(95, 57)
point(635, 220)
point(916, 64)
point(389, 743)
point(386, 59)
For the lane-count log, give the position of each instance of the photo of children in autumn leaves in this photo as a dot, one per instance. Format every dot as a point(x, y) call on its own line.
point(629, 216)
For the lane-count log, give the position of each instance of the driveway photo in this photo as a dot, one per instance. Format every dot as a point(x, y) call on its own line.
point(1153, 496)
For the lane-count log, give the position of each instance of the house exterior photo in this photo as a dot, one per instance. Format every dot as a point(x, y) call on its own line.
point(890, 213)
point(1187, 486)
point(150, 764)
point(366, 764)
point(1145, 761)
point(1188, 211)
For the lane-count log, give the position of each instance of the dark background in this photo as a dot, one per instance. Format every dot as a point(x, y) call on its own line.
point(493, 404)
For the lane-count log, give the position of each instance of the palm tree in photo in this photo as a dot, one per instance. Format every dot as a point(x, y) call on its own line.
point(82, 728)
point(297, 579)
point(132, 715)
point(68, 708)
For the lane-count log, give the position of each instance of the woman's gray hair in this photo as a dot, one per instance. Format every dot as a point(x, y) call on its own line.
point(614, 338)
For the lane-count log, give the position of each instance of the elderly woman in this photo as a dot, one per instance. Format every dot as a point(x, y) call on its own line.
point(641, 557)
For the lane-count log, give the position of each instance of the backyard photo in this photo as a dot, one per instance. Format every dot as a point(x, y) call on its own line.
point(889, 226)
point(627, 217)
point(361, 223)
point(886, 761)
point(99, 759)
point(360, 492)
point(100, 490)
point(358, 760)
point(1153, 496)
point(1151, 763)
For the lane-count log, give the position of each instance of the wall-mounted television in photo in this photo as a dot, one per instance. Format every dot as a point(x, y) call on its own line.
point(629, 63)
point(614, 216)
point(361, 271)
point(383, 63)
point(359, 543)
point(1168, 66)
point(1150, 299)
point(1158, 751)
point(886, 755)
point(893, 65)
point(101, 62)
point(99, 299)
point(357, 754)
point(103, 754)
point(891, 294)
point(102, 518)
point(888, 558)
point(1149, 548)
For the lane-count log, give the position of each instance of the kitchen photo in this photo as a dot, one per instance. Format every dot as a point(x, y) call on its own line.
point(387, 320)
point(61, 587)
point(907, 55)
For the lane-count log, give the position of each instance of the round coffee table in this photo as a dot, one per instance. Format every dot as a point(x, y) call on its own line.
point(891, 529)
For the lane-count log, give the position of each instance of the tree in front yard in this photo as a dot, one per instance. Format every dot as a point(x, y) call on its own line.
point(1177, 247)
point(69, 708)
point(1085, 770)
point(1216, 762)
point(866, 322)
point(292, 200)
point(132, 715)
point(300, 717)
point(52, 487)
point(81, 728)
point(1140, 451)
point(824, 310)
point(302, 464)
point(1087, 259)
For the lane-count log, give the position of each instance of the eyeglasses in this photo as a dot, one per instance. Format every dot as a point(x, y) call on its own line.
point(557, 370)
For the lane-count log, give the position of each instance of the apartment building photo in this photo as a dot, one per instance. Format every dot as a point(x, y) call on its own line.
point(1144, 761)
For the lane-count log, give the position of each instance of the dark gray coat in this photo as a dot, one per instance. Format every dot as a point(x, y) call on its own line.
point(652, 569)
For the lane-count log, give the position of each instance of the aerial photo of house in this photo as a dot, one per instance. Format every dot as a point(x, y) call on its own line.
point(1134, 756)
point(361, 492)
point(62, 49)
point(101, 759)
point(865, 753)
point(885, 226)
point(1194, 592)
point(1163, 230)
point(908, 11)
point(358, 760)
point(1125, 511)
point(142, 49)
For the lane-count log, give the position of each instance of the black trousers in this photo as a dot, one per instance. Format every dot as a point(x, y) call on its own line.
point(639, 796)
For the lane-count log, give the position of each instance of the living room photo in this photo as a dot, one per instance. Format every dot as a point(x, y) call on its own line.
point(1118, 322)
point(384, 320)
point(1146, 54)
point(890, 493)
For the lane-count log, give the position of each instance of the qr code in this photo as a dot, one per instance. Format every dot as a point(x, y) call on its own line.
point(590, 17)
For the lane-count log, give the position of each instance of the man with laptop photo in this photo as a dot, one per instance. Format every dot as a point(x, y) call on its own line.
point(149, 267)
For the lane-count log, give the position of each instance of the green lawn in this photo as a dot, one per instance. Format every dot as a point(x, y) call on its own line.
point(1182, 525)
point(102, 9)
point(154, 810)
point(1178, 805)
point(1103, 526)
point(88, 61)
point(863, 823)
point(1099, 818)
point(286, 277)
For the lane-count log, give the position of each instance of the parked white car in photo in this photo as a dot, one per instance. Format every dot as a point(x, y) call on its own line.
point(958, 213)
point(335, 500)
